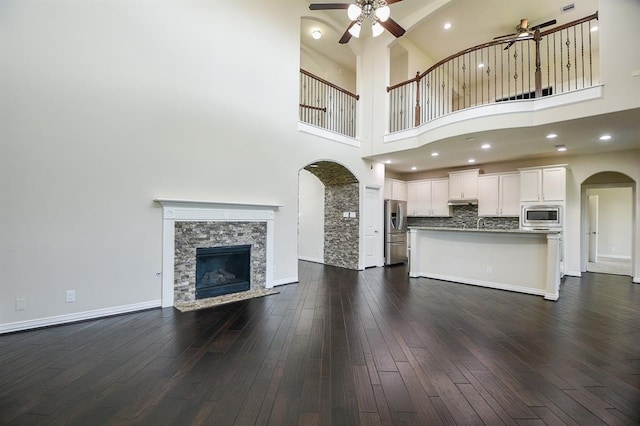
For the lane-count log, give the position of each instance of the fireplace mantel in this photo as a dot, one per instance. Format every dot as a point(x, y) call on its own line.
point(179, 210)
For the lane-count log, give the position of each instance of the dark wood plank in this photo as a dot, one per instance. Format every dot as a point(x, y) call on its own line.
point(342, 347)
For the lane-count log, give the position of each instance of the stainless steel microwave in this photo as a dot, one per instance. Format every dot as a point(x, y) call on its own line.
point(541, 217)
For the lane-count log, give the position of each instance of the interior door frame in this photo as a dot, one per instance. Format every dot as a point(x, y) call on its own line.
point(592, 246)
point(379, 241)
point(584, 224)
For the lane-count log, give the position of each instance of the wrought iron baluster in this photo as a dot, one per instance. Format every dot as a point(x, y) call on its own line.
point(575, 56)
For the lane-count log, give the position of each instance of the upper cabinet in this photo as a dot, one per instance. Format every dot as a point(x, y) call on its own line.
point(463, 185)
point(499, 195)
point(395, 190)
point(428, 198)
point(547, 184)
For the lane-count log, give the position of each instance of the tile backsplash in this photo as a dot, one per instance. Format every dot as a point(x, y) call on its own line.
point(465, 216)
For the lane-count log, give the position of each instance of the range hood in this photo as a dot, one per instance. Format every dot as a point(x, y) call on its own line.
point(463, 202)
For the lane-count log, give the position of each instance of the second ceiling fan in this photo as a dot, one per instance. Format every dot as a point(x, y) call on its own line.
point(523, 30)
point(360, 10)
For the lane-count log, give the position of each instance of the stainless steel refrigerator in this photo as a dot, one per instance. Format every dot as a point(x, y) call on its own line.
point(395, 232)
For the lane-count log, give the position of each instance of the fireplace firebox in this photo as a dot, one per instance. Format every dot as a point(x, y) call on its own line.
point(222, 270)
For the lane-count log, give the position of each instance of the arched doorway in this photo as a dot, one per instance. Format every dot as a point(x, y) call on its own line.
point(608, 223)
point(329, 218)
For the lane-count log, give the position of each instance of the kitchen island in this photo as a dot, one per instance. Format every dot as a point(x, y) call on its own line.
point(505, 259)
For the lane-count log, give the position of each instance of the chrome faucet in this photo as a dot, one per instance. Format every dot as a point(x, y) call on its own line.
point(484, 225)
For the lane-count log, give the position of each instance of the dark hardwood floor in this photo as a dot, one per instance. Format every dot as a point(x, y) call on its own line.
point(344, 348)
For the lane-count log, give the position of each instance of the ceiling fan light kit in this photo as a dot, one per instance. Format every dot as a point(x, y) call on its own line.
point(354, 11)
point(523, 31)
point(376, 29)
point(355, 30)
point(376, 10)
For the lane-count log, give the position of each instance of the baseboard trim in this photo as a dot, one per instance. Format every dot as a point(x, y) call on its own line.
point(573, 274)
point(488, 284)
point(636, 280)
point(78, 316)
point(311, 259)
point(614, 256)
point(283, 281)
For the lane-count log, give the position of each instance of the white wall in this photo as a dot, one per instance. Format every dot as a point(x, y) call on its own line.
point(580, 169)
point(325, 68)
point(108, 105)
point(614, 221)
point(311, 218)
point(398, 64)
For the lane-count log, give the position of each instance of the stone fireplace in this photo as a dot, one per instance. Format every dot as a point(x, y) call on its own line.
point(193, 229)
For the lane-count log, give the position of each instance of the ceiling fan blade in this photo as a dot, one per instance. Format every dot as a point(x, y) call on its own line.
point(393, 27)
point(328, 6)
point(347, 35)
point(544, 24)
point(393, 1)
point(506, 35)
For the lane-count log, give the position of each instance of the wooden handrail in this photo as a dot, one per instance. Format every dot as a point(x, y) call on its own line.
point(569, 24)
point(489, 44)
point(333, 86)
point(323, 109)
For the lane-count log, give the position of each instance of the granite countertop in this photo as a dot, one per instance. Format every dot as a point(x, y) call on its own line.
point(502, 231)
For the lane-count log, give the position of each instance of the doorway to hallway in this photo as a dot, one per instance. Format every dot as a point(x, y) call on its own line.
point(608, 224)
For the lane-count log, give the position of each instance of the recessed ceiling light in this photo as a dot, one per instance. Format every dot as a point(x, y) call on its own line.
point(316, 34)
point(470, 138)
point(561, 148)
point(313, 166)
point(605, 137)
point(471, 160)
point(481, 65)
point(594, 28)
point(485, 146)
point(387, 162)
point(414, 168)
point(447, 25)
point(434, 154)
point(552, 136)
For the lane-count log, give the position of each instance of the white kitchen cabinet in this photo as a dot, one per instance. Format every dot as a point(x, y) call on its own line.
point(395, 190)
point(428, 198)
point(499, 195)
point(440, 198)
point(543, 184)
point(464, 185)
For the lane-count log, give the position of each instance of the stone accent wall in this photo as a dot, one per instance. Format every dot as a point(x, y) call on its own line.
point(192, 235)
point(466, 216)
point(341, 238)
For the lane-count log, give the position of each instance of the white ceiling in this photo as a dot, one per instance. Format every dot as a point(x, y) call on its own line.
point(474, 22)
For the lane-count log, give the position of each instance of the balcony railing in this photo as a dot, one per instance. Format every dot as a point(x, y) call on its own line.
point(559, 60)
point(326, 105)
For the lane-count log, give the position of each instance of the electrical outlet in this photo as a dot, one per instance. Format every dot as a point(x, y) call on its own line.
point(70, 296)
point(490, 270)
point(21, 304)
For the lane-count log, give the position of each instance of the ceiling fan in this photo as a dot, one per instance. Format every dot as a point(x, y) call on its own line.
point(524, 30)
point(358, 11)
